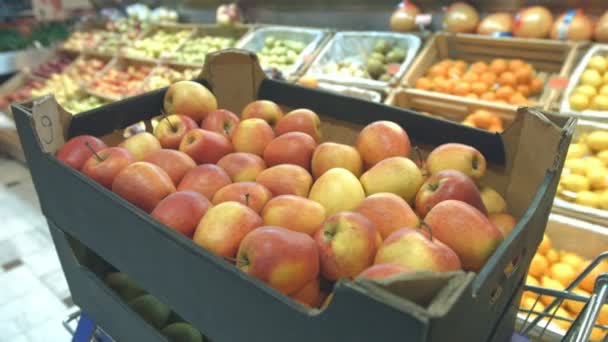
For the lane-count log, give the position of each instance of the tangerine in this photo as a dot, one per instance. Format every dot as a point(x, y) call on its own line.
point(498, 66)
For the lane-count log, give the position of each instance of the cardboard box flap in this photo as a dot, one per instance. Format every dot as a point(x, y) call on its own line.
point(234, 76)
point(51, 123)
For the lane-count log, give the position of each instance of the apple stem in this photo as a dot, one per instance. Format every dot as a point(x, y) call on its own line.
point(97, 156)
point(247, 199)
point(166, 117)
point(427, 228)
point(420, 159)
point(475, 163)
point(232, 260)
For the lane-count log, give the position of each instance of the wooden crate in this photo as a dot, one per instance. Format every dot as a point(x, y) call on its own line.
point(452, 108)
point(549, 57)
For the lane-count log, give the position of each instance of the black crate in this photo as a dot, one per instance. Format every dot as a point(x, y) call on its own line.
point(228, 305)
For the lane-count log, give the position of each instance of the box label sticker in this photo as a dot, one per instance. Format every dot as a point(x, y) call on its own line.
point(47, 123)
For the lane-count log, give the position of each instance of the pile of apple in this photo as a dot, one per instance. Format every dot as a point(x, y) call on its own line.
point(263, 192)
point(120, 82)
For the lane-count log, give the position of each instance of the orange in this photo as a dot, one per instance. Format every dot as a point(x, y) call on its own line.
point(523, 89)
point(460, 64)
point(573, 260)
point(588, 283)
point(498, 66)
point(469, 123)
point(552, 256)
point(504, 93)
point(530, 280)
point(597, 334)
point(445, 87)
point(550, 284)
point(479, 67)
point(538, 266)
point(472, 96)
point(308, 81)
point(454, 72)
point(462, 88)
point(563, 273)
point(488, 78)
point(575, 306)
point(545, 245)
point(484, 118)
point(488, 96)
point(516, 64)
point(507, 78)
point(446, 63)
point(530, 303)
point(437, 70)
point(470, 77)
point(518, 99)
point(479, 87)
point(424, 83)
point(523, 75)
point(536, 86)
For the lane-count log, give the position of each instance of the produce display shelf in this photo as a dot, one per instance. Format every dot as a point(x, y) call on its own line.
point(223, 302)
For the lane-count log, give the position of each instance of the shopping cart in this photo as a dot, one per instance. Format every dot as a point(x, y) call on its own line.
point(535, 325)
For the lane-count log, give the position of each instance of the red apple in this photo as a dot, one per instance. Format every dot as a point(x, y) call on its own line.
point(221, 121)
point(241, 166)
point(263, 109)
point(381, 140)
point(171, 129)
point(300, 120)
point(252, 136)
point(309, 295)
point(382, 271)
point(182, 211)
point(286, 179)
point(175, 163)
point(75, 151)
point(205, 179)
point(205, 146)
point(189, 98)
point(143, 184)
point(251, 194)
point(284, 259)
point(445, 185)
point(290, 148)
point(104, 165)
point(330, 155)
point(295, 213)
point(224, 226)
point(339, 231)
point(141, 144)
point(388, 212)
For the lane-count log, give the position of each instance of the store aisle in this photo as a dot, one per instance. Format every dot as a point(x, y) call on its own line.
point(34, 296)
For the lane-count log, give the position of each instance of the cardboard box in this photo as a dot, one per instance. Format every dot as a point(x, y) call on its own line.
point(228, 305)
point(549, 58)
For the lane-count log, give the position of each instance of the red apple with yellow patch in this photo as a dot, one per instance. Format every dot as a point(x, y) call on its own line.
point(221, 121)
point(330, 155)
point(382, 271)
point(286, 179)
point(241, 166)
point(189, 98)
point(224, 226)
point(103, 166)
point(252, 136)
point(388, 212)
point(309, 295)
point(143, 184)
point(171, 129)
point(295, 213)
point(175, 163)
point(205, 179)
point(284, 259)
point(141, 144)
point(75, 151)
point(290, 148)
point(300, 120)
point(381, 140)
point(251, 194)
point(182, 211)
point(205, 146)
point(263, 109)
point(454, 156)
point(347, 245)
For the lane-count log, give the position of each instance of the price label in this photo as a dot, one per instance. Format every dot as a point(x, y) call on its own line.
point(558, 83)
point(48, 124)
point(423, 19)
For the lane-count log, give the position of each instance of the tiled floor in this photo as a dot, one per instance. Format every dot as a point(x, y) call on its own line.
point(33, 290)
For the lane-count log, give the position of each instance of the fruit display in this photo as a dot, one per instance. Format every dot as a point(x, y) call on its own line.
point(159, 43)
point(533, 22)
point(82, 40)
point(484, 119)
point(267, 193)
point(84, 69)
point(279, 53)
point(196, 48)
point(556, 269)
point(508, 81)
point(152, 310)
point(584, 177)
point(496, 24)
point(164, 76)
point(60, 85)
point(109, 43)
point(121, 81)
point(52, 66)
point(25, 92)
point(591, 90)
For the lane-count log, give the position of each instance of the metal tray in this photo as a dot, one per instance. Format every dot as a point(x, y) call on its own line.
point(352, 45)
point(596, 49)
point(369, 95)
point(583, 238)
point(576, 210)
point(254, 42)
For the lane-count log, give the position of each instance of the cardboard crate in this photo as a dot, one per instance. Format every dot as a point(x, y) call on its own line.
point(453, 108)
point(549, 58)
point(228, 305)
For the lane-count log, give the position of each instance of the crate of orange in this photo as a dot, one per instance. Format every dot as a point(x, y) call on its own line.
point(493, 117)
point(509, 71)
point(567, 248)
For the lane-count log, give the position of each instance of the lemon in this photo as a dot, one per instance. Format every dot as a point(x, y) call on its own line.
point(593, 162)
point(604, 90)
point(578, 166)
point(591, 77)
point(585, 89)
point(598, 140)
point(599, 102)
point(605, 77)
point(603, 156)
point(579, 101)
point(588, 199)
point(597, 178)
point(598, 63)
point(577, 150)
point(576, 183)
